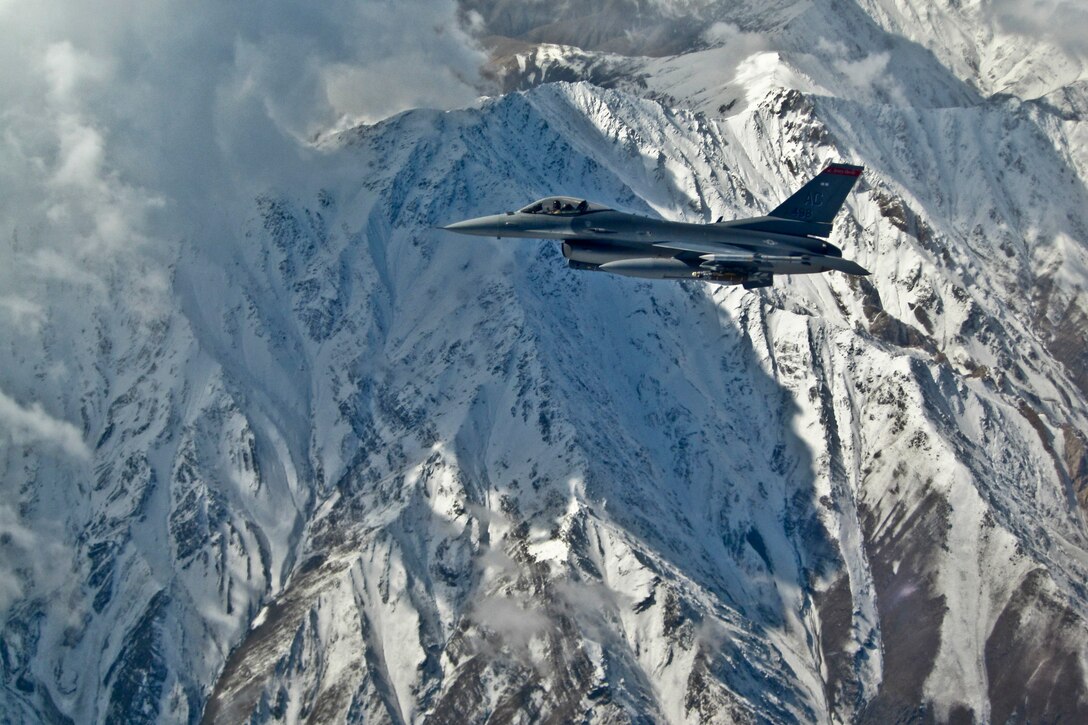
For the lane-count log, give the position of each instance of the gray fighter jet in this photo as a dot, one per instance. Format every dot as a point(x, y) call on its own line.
point(792, 239)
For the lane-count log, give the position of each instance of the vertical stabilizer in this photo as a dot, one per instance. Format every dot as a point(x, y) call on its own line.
point(819, 200)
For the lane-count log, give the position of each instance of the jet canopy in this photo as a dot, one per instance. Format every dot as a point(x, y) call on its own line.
point(563, 206)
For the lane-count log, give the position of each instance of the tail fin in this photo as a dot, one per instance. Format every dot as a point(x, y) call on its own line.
point(818, 201)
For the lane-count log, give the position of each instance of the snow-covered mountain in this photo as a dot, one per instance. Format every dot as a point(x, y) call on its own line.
point(337, 465)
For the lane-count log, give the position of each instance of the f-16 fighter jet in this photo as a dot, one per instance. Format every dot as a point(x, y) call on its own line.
point(792, 239)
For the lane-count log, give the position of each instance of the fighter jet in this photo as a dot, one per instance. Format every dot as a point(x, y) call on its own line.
point(791, 239)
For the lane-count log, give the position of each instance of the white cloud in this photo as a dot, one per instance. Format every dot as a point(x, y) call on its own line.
point(865, 72)
point(29, 557)
point(67, 68)
point(1062, 22)
point(14, 538)
point(32, 425)
point(49, 264)
point(869, 75)
point(128, 128)
point(121, 122)
point(517, 623)
point(739, 44)
point(80, 158)
point(26, 316)
point(835, 49)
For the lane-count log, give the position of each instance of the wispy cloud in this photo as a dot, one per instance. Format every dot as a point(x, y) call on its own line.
point(32, 425)
point(867, 75)
point(130, 128)
point(26, 316)
point(29, 557)
point(1062, 22)
point(123, 123)
point(741, 45)
point(517, 623)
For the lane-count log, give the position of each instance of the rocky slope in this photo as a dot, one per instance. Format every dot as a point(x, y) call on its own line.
point(340, 465)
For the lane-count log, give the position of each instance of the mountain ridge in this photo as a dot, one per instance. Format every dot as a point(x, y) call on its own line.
point(341, 467)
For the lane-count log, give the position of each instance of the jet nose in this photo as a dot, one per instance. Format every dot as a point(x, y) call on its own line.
point(465, 226)
point(483, 226)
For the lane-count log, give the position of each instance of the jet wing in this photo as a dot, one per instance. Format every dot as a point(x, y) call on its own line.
point(751, 258)
point(703, 248)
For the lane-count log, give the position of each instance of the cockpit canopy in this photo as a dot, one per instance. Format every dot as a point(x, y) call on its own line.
point(563, 206)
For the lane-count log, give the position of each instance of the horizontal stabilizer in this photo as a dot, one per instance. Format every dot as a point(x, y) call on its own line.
point(843, 265)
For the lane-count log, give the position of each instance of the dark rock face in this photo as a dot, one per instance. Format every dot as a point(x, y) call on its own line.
point(912, 609)
point(138, 675)
point(1034, 658)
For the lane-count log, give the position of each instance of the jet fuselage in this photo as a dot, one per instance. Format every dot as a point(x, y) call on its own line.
point(746, 251)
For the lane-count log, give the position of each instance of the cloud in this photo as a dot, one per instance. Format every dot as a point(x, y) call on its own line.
point(30, 558)
point(517, 623)
point(739, 44)
point(59, 189)
point(32, 425)
point(123, 122)
point(594, 606)
point(866, 72)
point(870, 75)
point(14, 539)
point(26, 316)
point(1063, 22)
point(51, 264)
point(129, 129)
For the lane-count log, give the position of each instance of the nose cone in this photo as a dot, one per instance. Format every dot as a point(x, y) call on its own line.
point(485, 226)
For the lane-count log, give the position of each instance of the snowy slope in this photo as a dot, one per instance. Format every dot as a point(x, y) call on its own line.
point(335, 464)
